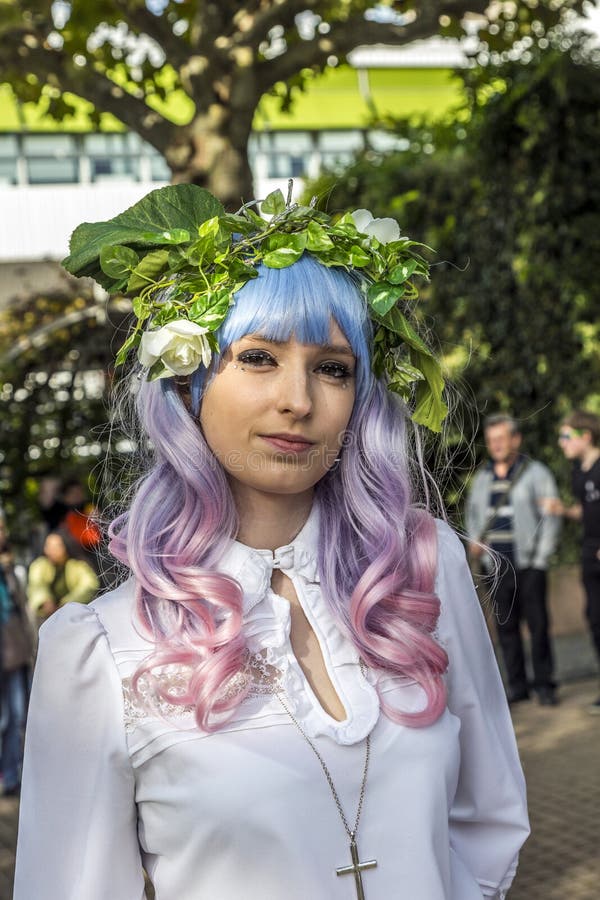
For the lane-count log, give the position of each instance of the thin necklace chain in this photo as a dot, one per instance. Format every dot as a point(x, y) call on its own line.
point(350, 832)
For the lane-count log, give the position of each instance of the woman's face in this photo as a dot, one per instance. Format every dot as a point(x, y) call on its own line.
point(55, 550)
point(275, 414)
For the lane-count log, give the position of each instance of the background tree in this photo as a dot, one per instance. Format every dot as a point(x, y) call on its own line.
point(131, 58)
point(509, 197)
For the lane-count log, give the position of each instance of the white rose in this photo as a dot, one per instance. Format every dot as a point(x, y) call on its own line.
point(385, 230)
point(181, 346)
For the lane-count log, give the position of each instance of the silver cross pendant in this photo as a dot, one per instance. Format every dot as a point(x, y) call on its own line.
point(356, 869)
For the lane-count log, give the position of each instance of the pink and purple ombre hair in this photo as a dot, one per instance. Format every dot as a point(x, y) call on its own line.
point(182, 517)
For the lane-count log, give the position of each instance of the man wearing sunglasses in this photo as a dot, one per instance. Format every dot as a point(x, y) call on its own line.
point(579, 440)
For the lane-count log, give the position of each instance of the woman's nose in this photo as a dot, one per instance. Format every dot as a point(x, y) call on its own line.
point(295, 394)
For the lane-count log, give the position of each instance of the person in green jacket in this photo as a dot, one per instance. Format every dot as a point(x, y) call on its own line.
point(58, 577)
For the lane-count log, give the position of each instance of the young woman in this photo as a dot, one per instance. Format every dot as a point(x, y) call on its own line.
point(293, 695)
point(58, 576)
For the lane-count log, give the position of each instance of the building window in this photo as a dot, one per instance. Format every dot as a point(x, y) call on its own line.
point(51, 158)
point(112, 157)
point(9, 151)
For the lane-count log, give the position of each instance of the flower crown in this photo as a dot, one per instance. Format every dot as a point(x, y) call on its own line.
point(184, 258)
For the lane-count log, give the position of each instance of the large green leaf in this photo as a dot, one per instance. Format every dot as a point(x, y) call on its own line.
point(150, 222)
point(430, 409)
point(399, 324)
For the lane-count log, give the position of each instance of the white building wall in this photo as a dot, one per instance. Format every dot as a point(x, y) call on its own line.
point(36, 222)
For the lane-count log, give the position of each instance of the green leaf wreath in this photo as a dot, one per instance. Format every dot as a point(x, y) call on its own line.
point(183, 258)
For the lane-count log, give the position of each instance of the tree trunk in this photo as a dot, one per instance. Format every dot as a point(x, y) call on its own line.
point(212, 152)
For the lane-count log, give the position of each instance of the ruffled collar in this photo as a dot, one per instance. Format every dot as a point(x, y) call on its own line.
point(267, 625)
point(254, 568)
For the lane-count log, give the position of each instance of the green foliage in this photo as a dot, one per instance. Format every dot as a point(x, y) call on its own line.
point(510, 201)
point(56, 371)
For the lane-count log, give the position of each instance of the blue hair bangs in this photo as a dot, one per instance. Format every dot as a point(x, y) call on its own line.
point(298, 301)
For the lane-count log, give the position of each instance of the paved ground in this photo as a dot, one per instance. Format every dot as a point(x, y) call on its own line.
point(560, 749)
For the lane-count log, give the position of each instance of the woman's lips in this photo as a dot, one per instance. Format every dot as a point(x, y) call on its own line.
point(288, 443)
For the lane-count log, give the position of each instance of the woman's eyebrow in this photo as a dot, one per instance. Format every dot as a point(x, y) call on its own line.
point(342, 349)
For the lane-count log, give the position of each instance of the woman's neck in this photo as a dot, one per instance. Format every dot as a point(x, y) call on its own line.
point(268, 521)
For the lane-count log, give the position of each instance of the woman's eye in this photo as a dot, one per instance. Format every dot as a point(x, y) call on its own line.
point(335, 370)
point(255, 358)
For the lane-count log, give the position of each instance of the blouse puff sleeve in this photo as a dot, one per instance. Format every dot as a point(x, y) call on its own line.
point(78, 826)
point(488, 819)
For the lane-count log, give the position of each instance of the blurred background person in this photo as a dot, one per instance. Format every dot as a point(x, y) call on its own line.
point(505, 512)
point(59, 576)
point(17, 658)
point(65, 505)
point(579, 440)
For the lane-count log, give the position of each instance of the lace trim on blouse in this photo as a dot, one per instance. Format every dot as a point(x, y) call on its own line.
point(257, 678)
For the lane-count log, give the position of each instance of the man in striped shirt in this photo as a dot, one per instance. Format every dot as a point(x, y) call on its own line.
point(505, 511)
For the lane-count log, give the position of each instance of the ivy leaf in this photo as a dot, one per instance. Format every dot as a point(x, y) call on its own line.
point(210, 227)
point(239, 270)
point(177, 258)
point(237, 224)
point(318, 239)
point(403, 390)
point(118, 262)
point(210, 309)
point(383, 296)
point(358, 257)
point(273, 204)
point(305, 212)
point(141, 308)
point(148, 270)
point(378, 360)
point(133, 340)
point(284, 249)
point(280, 259)
point(404, 376)
point(402, 272)
point(346, 220)
point(213, 342)
point(166, 313)
point(255, 219)
point(201, 250)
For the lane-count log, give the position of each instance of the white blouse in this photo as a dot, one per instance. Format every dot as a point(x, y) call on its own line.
point(246, 813)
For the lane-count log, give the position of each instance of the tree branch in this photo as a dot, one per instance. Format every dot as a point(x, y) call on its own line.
point(54, 68)
point(209, 23)
point(157, 28)
point(281, 13)
point(342, 38)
